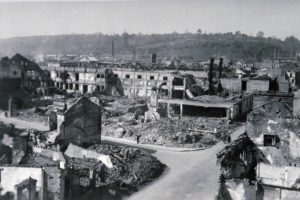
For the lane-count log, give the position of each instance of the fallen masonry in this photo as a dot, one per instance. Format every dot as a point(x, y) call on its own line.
point(131, 168)
point(101, 170)
point(124, 119)
point(263, 163)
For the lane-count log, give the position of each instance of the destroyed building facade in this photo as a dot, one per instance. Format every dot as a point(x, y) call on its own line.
point(18, 73)
point(266, 154)
point(80, 123)
point(29, 184)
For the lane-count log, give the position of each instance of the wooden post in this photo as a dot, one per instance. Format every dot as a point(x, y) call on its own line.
point(181, 110)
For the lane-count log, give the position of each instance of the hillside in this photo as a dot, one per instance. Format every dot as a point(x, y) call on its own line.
point(188, 45)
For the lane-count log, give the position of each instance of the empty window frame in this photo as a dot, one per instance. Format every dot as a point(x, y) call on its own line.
point(269, 140)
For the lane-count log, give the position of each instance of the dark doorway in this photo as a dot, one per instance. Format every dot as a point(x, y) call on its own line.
point(244, 85)
point(85, 88)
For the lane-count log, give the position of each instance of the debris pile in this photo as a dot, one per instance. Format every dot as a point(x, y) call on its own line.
point(132, 168)
point(124, 105)
point(187, 132)
point(34, 115)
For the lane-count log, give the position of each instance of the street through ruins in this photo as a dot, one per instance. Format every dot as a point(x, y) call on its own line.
point(197, 170)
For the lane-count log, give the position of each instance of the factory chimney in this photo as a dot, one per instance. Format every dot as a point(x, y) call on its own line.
point(210, 75)
point(112, 49)
point(220, 75)
point(154, 58)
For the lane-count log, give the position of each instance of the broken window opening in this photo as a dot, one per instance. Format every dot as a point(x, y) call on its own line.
point(269, 140)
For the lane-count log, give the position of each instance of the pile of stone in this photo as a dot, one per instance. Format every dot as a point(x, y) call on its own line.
point(187, 132)
point(132, 168)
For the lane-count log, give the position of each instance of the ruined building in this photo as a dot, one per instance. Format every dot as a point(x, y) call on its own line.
point(80, 123)
point(267, 154)
point(173, 88)
point(21, 73)
point(18, 183)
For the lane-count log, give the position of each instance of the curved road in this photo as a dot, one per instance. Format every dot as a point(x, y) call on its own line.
point(190, 175)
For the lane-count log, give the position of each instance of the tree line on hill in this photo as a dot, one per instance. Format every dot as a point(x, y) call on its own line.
point(183, 45)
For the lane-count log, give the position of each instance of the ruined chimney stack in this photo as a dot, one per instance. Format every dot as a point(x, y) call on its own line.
point(220, 67)
point(112, 49)
point(154, 58)
point(220, 75)
point(210, 75)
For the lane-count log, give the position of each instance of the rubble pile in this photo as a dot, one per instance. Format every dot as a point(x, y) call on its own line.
point(34, 159)
point(187, 132)
point(132, 169)
point(124, 105)
point(34, 115)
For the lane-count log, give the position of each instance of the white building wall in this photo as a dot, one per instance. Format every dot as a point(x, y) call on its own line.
point(11, 176)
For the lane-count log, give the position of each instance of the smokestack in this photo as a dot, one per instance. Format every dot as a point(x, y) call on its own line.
point(154, 58)
point(220, 67)
point(220, 74)
point(112, 49)
point(210, 76)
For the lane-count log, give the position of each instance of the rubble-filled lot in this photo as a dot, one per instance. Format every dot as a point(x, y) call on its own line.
point(34, 115)
point(34, 110)
point(132, 169)
point(187, 132)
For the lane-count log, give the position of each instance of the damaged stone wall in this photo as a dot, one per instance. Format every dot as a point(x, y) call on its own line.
point(285, 150)
point(55, 183)
point(12, 176)
point(81, 123)
point(260, 98)
point(234, 85)
point(257, 85)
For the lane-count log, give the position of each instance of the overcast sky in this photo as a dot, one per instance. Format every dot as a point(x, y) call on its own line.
point(278, 18)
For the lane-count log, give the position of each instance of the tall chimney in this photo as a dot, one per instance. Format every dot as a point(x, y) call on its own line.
point(154, 58)
point(220, 67)
point(210, 75)
point(220, 74)
point(112, 49)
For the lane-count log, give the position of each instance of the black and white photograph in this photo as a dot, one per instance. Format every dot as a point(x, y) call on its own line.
point(150, 100)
